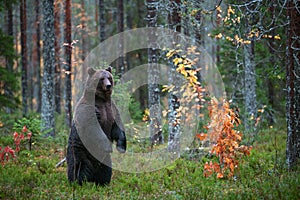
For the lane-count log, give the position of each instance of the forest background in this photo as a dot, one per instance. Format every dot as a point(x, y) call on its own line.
point(254, 44)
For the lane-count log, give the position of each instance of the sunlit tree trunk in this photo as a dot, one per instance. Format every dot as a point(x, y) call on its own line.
point(48, 92)
point(293, 85)
point(68, 63)
point(153, 78)
point(24, 56)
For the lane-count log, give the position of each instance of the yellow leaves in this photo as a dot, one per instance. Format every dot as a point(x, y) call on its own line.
point(219, 36)
point(230, 10)
point(168, 88)
point(146, 115)
point(276, 37)
point(177, 60)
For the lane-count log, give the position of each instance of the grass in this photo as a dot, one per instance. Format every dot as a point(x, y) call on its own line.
point(262, 175)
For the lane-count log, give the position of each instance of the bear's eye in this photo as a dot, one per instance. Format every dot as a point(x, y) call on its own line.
point(101, 79)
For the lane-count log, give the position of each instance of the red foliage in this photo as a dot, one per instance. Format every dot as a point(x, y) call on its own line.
point(8, 152)
point(227, 140)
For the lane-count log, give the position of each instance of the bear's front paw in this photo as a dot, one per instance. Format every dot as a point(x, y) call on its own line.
point(121, 145)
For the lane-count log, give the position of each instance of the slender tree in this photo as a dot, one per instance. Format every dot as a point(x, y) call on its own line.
point(9, 60)
point(68, 63)
point(293, 84)
point(153, 77)
point(37, 64)
point(57, 56)
point(174, 21)
point(249, 65)
point(48, 92)
point(24, 72)
point(102, 20)
point(84, 31)
point(120, 28)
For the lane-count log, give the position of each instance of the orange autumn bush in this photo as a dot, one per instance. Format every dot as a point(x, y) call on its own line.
point(226, 140)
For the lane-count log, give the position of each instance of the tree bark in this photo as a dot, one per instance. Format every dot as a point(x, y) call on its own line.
point(37, 65)
point(68, 63)
point(153, 78)
point(48, 92)
point(293, 85)
point(57, 56)
point(174, 21)
point(102, 20)
point(9, 60)
point(120, 28)
point(24, 57)
point(83, 32)
point(250, 86)
point(249, 78)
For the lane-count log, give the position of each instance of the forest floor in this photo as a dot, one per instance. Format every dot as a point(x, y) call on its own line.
point(262, 175)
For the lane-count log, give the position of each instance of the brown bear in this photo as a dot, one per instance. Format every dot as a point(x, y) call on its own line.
point(96, 124)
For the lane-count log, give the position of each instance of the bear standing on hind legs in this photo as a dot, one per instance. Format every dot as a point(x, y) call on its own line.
point(96, 124)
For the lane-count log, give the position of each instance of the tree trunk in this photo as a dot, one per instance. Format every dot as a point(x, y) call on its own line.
point(270, 85)
point(120, 28)
point(24, 56)
point(68, 63)
point(250, 86)
point(57, 56)
point(83, 32)
point(37, 65)
point(153, 78)
point(249, 79)
point(173, 101)
point(293, 85)
point(48, 92)
point(102, 20)
point(9, 61)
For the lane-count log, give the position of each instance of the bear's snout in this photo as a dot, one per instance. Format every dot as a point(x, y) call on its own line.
point(108, 86)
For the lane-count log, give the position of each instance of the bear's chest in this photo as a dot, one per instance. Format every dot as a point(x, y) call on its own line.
point(105, 117)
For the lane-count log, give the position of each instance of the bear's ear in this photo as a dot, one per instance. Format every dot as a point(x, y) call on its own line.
point(91, 71)
point(109, 69)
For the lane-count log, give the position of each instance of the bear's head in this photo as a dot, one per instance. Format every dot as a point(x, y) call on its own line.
point(101, 82)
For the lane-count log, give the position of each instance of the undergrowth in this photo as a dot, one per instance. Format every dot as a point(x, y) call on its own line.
point(262, 175)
